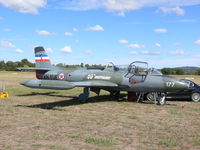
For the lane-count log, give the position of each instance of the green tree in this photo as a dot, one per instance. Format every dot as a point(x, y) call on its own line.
point(2, 65)
point(198, 71)
point(179, 71)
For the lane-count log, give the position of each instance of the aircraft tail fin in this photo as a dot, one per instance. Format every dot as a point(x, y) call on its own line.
point(42, 63)
point(41, 58)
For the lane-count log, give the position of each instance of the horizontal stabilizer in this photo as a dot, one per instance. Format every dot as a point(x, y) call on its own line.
point(95, 83)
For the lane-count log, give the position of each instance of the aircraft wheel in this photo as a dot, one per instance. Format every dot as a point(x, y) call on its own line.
point(150, 96)
point(82, 98)
point(195, 97)
point(160, 100)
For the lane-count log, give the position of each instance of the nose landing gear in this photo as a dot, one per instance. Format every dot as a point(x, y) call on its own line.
point(158, 98)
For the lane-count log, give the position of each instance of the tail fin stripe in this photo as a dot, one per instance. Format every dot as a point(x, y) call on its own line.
point(41, 60)
point(38, 58)
point(41, 55)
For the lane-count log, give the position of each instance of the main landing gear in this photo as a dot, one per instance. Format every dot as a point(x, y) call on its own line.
point(83, 97)
point(115, 94)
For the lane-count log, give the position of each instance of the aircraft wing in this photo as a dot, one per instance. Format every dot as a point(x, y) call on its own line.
point(95, 83)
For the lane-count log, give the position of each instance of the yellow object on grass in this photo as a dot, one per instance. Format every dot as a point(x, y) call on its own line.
point(3, 94)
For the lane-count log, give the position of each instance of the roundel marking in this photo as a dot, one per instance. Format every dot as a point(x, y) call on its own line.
point(61, 76)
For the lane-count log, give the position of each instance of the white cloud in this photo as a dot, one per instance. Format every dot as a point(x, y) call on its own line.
point(135, 46)
point(49, 50)
point(75, 30)
point(160, 30)
point(88, 52)
point(68, 34)
point(150, 53)
point(24, 6)
point(197, 42)
point(123, 41)
point(157, 45)
point(177, 10)
point(66, 49)
point(145, 53)
point(7, 44)
point(44, 33)
point(95, 28)
point(120, 7)
point(122, 14)
point(177, 52)
point(19, 51)
point(133, 53)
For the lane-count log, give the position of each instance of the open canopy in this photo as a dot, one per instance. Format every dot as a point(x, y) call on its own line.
point(134, 68)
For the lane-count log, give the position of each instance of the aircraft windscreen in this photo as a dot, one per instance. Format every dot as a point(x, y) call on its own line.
point(138, 68)
point(154, 71)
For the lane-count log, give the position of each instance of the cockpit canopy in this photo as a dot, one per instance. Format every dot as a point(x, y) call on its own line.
point(138, 68)
point(135, 68)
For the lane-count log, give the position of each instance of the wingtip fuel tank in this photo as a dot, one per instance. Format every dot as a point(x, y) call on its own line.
point(48, 84)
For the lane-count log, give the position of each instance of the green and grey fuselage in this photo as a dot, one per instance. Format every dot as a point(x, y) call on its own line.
point(130, 79)
point(107, 79)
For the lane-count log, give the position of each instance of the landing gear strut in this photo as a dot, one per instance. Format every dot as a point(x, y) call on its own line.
point(159, 98)
point(83, 97)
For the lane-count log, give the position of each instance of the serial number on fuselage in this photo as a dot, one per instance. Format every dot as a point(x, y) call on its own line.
point(50, 77)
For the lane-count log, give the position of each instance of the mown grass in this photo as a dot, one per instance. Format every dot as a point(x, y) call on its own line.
point(132, 117)
point(99, 141)
point(48, 119)
point(169, 143)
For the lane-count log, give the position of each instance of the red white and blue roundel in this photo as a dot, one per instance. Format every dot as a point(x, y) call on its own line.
point(61, 76)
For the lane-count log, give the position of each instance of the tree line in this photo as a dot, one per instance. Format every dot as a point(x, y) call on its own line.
point(12, 66)
point(180, 71)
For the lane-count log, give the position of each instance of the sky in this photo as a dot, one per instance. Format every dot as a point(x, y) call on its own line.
point(164, 33)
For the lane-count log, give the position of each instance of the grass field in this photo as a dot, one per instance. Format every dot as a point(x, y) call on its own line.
point(32, 119)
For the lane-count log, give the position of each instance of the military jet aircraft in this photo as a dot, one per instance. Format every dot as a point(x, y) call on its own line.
point(134, 78)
